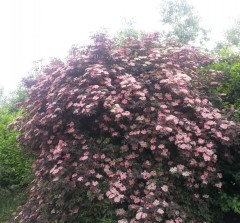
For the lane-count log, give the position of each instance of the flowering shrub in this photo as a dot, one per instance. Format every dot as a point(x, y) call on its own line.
point(122, 136)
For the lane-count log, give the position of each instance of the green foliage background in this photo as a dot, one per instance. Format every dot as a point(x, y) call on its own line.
point(15, 168)
point(222, 81)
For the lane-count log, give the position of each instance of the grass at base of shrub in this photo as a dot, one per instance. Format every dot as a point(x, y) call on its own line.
point(9, 201)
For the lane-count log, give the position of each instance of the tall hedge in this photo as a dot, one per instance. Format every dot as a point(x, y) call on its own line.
point(15, 169)
point(123, 135)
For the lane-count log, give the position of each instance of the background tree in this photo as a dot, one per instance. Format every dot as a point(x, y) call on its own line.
point(230, 46)
point(182, 21)
point(233, 33)
point(2, 97)
point(128, 30)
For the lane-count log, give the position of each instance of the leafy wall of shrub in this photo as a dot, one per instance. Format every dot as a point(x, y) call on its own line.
point(124, 135)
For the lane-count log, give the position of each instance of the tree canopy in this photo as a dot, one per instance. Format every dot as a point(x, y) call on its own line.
point(183, 21)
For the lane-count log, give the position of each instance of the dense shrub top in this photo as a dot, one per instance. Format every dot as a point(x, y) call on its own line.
point(124, 128)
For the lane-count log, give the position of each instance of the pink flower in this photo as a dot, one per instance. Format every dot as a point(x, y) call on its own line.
point(217, 114)
point(135, 199)
point(165, 204)
point(157, 86)
point(219, 134)
point(125, 101)
point(204, 101)
point(219, 175)
point(70, 130)
point(100, 197)
point(152, 147)
point(146, 175)
point(168, 129)
point(127, 164)
point(141, 215)
point(99, 176)
point(161, 146)
point(143, 144)
point(152, 109)
point(224, 126)
point(151, 186)
point(102, 156)
point(159, 127)
point(201, 141)
point(83, 158)
point(123, 176)
point(164, 152)
point(172, 118)
point(59, 147)
point(94, 183)
point(74, 175)
point(180, 166)
point(55, 179)
point(85, 147)
point(210, 145)
point(196, 196)
point(118, 116)
point(118, 198)
point(156, 203)
point(160, 211)
point(206, 157)
point(226, 138)
point(87, 184)
point(114, 134)
point(164, 188)
point(153, 140)
point(80, 179)
point(95, 156)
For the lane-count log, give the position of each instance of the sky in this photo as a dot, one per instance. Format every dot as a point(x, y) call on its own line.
point(32, 30)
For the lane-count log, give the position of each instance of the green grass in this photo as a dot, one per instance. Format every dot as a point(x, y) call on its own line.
point(9, 201)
